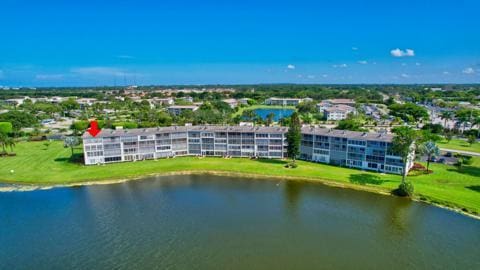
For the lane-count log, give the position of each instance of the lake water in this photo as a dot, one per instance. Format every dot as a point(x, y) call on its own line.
point(279, 113)
point(211, 222)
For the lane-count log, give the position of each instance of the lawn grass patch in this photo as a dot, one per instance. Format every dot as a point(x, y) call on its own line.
point(36, 164)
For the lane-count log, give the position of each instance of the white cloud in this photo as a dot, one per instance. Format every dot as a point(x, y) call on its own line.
point(290, 66)
point(446, 73)
point(404, 64)
point(324, 75)
point(49, 76)
point(402, 53)
point(311, 76)
point(125, 56)
point(106, 71)
point(362, 62)
point(418, 64)
point(354, 49)
point(404, 75)
point(340, 66)
point(468, 70)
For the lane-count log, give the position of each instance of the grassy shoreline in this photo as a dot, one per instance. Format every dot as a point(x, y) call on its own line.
point(37, 165)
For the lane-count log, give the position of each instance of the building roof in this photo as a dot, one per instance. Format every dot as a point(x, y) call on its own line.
point(306, 130)
point(340, 107)
point(355, 135)
point(341, 101)
point(183, 107)
point(276, 98)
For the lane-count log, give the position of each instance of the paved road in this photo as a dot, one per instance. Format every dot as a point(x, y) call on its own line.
point(461, 152)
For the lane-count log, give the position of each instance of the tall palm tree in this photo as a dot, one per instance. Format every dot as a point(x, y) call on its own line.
point(3, 142)
point(430, 149)
point(476, 122)
point(10, 142)
point(446, 115)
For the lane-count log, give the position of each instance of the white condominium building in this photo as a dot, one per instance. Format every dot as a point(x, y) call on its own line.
point(369, 151)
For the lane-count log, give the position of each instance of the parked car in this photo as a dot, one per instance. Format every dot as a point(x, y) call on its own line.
point(449, 154)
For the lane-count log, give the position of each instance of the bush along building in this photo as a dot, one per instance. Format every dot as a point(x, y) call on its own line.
point(368, 151)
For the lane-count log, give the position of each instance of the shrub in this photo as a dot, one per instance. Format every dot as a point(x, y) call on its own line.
point(405, 189)
point(291, 165)
point(418, 167)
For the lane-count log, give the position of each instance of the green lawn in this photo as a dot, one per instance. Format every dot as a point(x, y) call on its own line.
point(458, 144)
point(253, 107)
point(35, 164)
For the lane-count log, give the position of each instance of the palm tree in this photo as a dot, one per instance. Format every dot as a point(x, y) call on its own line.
point(10, 142)
point(404, 144)
point(446, 115)
point(430, 149)
point(3, 142)
point(476, 122)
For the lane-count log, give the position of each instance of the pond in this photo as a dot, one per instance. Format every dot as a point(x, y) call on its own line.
point(278, 113)
point(212, 222)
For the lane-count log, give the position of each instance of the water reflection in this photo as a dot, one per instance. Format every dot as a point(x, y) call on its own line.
point(210, 222)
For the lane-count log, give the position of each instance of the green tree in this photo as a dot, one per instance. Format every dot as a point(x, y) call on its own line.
point(307, 107)
point(471, 139)
point(448, 136)
point(403, 145)
point(19, 119)
point(3, 142)
point(293, 137)
point(353, 123)
point(409, 112)
point(6, 127)
point(430, 149)
point(79, 127)
point(71, 141)
point(70, 104)
point(270, 118)
point(446, 115)
point(466, 115)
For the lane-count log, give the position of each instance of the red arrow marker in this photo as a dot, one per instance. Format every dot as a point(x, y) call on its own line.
point(93, 130)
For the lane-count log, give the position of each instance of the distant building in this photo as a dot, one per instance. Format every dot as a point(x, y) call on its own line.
point(16, 101)
point(178, 109)
point(332, 102)
point(56, 99)
point(162, 101)
point(86, 101)
point(187, 99)
point(286, 101)
point(231, 102)
point(338, 112)
point(243, 101)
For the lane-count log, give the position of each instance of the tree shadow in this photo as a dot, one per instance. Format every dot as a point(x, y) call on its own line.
point(469, 170)
point(365, 178)
point(272, 161)
point(76, 158)
point(474, 188)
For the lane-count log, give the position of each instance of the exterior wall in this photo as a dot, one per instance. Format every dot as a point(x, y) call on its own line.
point(366, 152)
point(191, 142)
point(286, 101)
point(353, 153)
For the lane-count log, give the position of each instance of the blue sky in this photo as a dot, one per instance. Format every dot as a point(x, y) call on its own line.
point(93, 43)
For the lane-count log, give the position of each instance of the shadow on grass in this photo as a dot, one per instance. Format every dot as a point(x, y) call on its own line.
point(272, 161)
point(474, 188)
point(365, 178)
point(468, 170)
point(76, 158)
